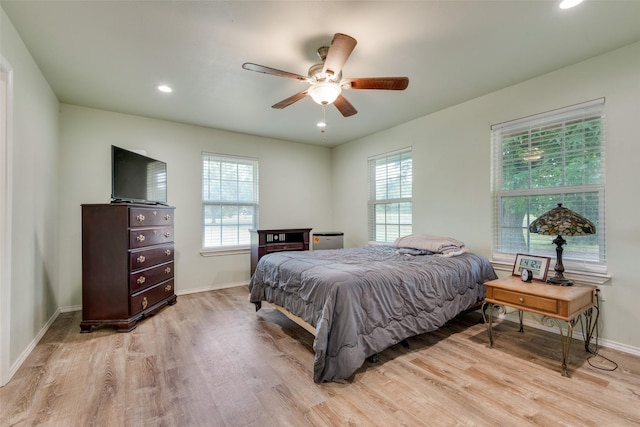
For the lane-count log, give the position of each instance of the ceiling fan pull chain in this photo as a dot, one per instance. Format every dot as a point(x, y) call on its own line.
point(324, 114)
point(323, 124)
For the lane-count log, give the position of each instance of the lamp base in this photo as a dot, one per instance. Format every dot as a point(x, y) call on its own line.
point(560, 281)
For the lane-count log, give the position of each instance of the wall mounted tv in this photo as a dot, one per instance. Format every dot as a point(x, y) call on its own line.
point(136, 178)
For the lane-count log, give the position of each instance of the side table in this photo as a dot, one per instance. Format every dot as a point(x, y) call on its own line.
point(558, 305)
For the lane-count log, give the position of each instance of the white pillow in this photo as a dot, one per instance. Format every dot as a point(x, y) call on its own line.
point(428, 242)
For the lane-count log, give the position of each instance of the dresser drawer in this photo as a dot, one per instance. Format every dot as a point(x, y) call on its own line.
point(144, 217)
point(149, 277)
point(145, 299)
point(144, 258)
point(141, 237)
point(524, 300)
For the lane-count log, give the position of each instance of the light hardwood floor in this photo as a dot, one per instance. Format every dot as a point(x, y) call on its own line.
point(211, 360)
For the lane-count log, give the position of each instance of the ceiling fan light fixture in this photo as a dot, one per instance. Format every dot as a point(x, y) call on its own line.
point(325, 78)
point(325, 93)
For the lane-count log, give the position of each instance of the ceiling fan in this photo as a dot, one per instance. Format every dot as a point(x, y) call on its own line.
point(325, 78)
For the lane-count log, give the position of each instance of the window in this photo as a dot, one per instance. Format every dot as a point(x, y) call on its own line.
point(229, 200)
point(543, 160)
point(390, 196)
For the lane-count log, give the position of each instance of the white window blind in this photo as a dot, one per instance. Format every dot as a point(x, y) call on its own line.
point(229, 200)
point(390, 196)
point(156, 181)
point(546, 159)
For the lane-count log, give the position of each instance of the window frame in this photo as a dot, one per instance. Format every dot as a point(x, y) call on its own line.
point(563, 118)
point(373, 202)
point(239, 246)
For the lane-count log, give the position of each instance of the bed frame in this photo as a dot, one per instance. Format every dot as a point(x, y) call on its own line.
point(351, 345)
point(295, 319)
point(300, 322)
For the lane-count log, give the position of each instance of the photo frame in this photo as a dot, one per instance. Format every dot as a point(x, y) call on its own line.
point(539, 265)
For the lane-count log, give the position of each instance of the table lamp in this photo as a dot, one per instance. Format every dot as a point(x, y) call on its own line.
point(561, 221)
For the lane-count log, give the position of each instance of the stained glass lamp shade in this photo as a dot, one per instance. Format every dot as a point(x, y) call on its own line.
point(560, 222)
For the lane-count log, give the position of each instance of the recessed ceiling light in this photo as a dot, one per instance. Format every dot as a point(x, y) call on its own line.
point(164, 88)
point(568, 4)
point(321, 124)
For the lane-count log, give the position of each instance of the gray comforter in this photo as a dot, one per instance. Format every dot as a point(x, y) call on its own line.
point(364, 300)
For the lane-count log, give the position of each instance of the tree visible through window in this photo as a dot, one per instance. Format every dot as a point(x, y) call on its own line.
point(544, 160)
point(390, 196)
point(229, 200)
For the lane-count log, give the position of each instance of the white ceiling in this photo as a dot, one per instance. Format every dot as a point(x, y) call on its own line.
point(111, 54)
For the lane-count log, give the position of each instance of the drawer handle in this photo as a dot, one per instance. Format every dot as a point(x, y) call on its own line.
point(167, 270)
point(167, 234)
point(140, 259)
point(167, 288)
point(140, 238)
point(167, 252)
point(140, 217)
point(167, 217)
point(141, 280)
point(145, 303)
point(521, 299)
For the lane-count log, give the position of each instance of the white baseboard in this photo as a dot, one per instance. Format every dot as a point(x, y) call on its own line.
point(27, 351)
point(210, 288)
point(620, 347)
point(70, 308)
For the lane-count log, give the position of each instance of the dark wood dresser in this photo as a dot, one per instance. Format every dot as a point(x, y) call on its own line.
point(276, 240)
point(127, 263)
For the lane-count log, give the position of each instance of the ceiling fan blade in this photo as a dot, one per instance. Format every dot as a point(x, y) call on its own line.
point(272, 71)
point(341, 47)
point(286, 102)
point(384, 83)
point(344, 106)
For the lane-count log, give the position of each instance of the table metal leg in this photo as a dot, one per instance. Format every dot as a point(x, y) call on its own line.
point(565, 340)
point(489, 322)
point(520, 316)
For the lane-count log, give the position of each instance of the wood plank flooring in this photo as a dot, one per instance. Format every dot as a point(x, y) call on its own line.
point(211, 360)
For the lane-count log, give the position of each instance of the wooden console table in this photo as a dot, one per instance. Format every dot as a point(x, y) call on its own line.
point(558, 305)
point(277, 240)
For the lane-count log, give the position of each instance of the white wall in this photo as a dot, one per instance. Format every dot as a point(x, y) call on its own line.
point(295, 185)
point(34, 262)
point(452, 161)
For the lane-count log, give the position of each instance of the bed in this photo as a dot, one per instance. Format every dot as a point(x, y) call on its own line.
point(358, 302)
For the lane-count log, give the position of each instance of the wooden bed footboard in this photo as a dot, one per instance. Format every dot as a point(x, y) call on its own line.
point(298, 320)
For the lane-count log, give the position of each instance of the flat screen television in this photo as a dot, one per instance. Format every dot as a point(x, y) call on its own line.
point(136, 178)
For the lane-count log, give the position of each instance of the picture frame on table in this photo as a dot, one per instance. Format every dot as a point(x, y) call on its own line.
point(539, 266)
